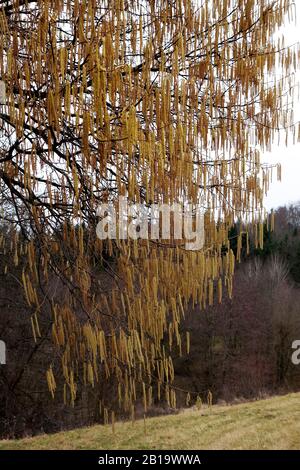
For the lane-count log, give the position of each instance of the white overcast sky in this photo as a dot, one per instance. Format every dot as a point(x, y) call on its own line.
point(288, 191)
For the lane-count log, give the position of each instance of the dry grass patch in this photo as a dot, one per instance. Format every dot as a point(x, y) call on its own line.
point(273, 423)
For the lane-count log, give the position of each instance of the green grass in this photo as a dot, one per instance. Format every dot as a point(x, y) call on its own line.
point(273, 423)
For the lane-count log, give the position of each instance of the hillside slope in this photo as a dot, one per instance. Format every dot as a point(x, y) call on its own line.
point(266, 424)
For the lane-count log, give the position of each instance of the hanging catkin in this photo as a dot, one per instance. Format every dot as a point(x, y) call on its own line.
point(159, 102)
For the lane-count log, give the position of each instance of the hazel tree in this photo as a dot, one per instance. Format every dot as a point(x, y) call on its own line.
point(159, 101)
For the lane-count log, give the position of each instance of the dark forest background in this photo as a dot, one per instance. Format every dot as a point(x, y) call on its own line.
point(240, 349)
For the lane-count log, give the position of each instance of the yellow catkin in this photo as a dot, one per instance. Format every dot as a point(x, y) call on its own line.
point(188, 342)
point(220, 290)
point(198, 402)
point(209, 399)
point(272, 221)
point(33, 329)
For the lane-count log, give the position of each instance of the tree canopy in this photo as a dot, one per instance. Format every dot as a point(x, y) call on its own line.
point(159, 101)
